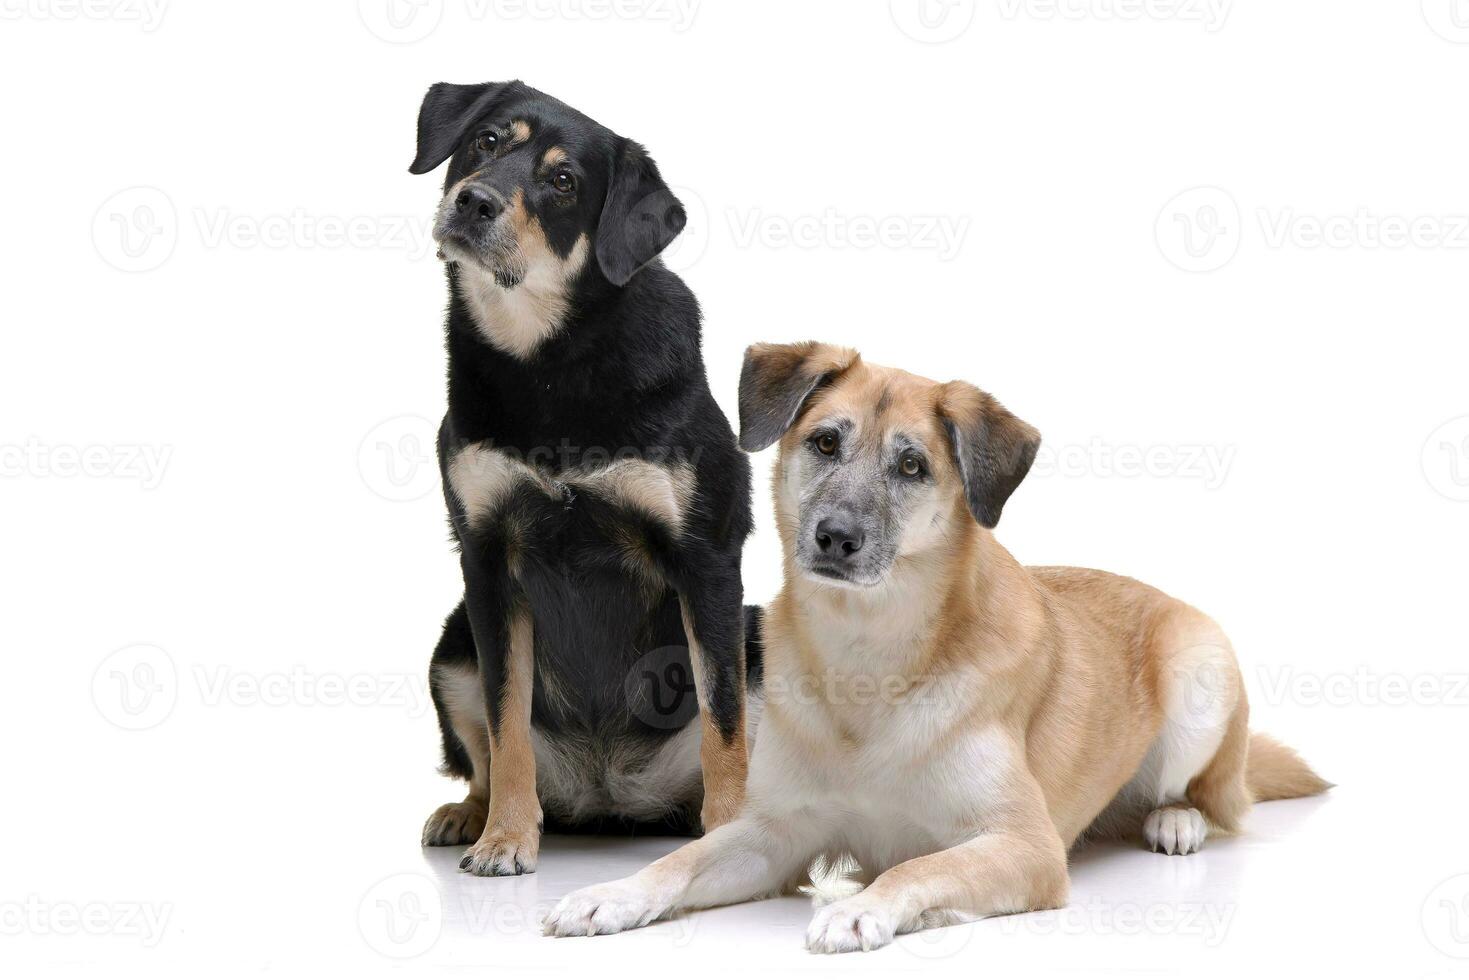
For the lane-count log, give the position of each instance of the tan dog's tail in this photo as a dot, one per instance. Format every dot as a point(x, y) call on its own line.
point(1275, 772)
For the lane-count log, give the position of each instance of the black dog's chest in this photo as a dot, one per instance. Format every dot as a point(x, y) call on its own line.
point(589, 547)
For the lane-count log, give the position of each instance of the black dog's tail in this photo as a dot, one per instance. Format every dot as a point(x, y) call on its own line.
point(754, 647)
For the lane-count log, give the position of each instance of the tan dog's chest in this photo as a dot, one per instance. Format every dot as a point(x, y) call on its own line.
point(900, 762)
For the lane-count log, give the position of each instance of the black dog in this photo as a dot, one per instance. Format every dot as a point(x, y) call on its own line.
point(594, 488)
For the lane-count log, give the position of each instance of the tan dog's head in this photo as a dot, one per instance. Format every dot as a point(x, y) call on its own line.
point(876, 465)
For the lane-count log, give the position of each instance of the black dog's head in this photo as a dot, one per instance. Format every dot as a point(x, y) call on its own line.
point(535, 188)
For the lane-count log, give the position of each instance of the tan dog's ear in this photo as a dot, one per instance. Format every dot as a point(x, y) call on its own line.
point(776, 381)
point(992, 448)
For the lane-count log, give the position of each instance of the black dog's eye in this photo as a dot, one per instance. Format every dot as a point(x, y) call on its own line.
point(486, 142)
point(910, 466)
point(826, 444)
point(564, 182)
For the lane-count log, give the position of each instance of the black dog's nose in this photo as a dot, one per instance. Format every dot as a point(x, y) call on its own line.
point(478, 202)
point(838, 537)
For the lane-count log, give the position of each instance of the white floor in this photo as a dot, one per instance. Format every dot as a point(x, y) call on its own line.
point(307, 863)
point(1273, 897)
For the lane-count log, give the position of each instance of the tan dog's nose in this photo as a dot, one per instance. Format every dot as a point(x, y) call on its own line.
point(839, 536)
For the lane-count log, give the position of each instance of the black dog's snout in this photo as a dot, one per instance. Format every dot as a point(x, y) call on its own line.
point(477, 203)
point(839, 536)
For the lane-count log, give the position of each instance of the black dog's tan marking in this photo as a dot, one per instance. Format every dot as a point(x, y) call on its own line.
point(595, 491)
point(511, 839)
point(724, 756)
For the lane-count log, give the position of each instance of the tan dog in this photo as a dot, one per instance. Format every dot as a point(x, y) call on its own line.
point(948, 718)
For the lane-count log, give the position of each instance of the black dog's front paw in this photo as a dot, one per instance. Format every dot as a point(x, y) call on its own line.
point(499, 852)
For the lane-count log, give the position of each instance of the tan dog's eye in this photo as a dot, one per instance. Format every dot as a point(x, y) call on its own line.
point(826, 443)
point(564, 182)
point(910, 466)
point(487, 142)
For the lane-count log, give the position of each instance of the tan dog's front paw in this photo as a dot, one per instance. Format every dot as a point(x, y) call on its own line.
point(602, 910)
point(500, 852)
point(455, 823)
point(850, 924)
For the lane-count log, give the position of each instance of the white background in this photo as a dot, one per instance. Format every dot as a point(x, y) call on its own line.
point(225, 559)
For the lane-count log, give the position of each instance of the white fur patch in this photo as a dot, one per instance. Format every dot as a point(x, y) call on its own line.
point(927, 525)
point(1175, 830)
point(663, 492)
point(483, 477)
point(519, 319)
point(580, 778)
point(464, 696)
point(1199, 690)
point(584, 778)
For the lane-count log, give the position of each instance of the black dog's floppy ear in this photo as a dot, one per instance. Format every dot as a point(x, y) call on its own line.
point(639, 218)
point(992, 448)
point(448, 110)
point(776, 381)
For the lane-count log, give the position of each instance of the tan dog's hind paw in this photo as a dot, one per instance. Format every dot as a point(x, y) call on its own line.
point(1175, 829)
point(455, 823)
point(499, 852)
